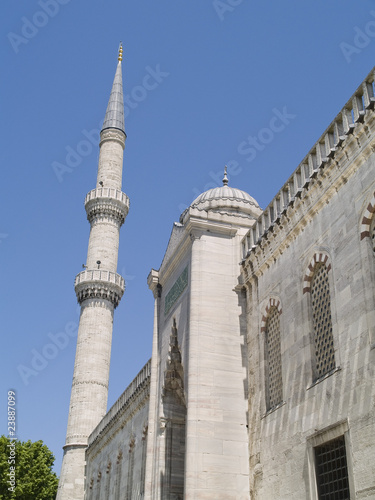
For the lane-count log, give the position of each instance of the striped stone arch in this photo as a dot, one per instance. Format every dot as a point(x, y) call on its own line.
point(367, 218)
point(318, 257)
point(271, 303)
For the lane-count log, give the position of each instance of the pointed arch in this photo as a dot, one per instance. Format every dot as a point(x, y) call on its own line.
point(270, 327)
point(174, 421)
point(319, 257)
point(98, 485)
point(118, 475)
point(129, 485)
point(317, 286)
point(143, 459)
point(108, 479)
point(272, 302)
point(367, 218)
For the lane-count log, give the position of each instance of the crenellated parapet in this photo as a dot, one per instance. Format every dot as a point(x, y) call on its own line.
point(347, 142)
point(99, 284)
point(106, 203)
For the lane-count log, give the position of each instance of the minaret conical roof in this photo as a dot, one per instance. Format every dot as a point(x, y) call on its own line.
point(114, 116)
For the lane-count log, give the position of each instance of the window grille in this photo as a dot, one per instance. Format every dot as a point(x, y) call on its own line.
point(332, 470)
point(322, 321)
point(274, 375)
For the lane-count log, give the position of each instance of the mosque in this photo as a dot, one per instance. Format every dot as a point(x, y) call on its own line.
point(261, 380)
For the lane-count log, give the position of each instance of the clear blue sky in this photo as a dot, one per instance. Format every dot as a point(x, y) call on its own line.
point(221, 71)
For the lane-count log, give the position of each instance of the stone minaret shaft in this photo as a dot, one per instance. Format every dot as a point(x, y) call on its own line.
point(99, 290)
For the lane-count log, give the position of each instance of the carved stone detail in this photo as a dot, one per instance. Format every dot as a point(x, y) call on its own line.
point(112, 134)
point(106, 202)
point(99, 284)
point(174, 374)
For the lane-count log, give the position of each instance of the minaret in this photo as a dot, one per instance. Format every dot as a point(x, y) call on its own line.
point(99, 290)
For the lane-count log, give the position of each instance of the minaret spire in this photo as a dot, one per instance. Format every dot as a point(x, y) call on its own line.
point(114, 117)
point(99, 290)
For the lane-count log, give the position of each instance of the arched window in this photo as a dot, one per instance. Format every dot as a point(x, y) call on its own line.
point(98, 485)
point(129, 485)
point(143, 463)
point(108, 479)
point(274, 381)
point(322, 321)
point(118, 475)
point(90, 490)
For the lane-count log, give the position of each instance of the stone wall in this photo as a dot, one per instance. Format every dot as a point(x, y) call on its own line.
point(116, 455)
point(321, 225)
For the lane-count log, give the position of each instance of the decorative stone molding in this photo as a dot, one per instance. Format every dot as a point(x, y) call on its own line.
point(99, 284)
point(112, 134)
point(318, 257)
point(153, 283)
point(163, 422)
point(174, 372)
point(119, 457)
point(131, 444)
point(130, 402)
point(144, 432)
point(367, 219)
point(176, 290)
point(107, 203)
point(345, 145)
point(95, 382)
point(75, 441)
point(271, 303)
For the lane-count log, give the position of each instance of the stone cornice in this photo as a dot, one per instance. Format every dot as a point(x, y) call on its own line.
point(322, 184)
point(116, 424)
point(135, 396)
point(193, 230)
point(106, 203)
point(99, 284)
point(153, 283)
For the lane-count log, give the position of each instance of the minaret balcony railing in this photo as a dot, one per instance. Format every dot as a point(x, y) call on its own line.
point(99, 284)
point(107, 202)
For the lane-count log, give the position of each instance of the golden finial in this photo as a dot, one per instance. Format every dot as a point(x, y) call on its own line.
point(120, 52)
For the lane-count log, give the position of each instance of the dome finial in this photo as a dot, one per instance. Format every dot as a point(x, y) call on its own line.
point(120, 52)
point(225, 178)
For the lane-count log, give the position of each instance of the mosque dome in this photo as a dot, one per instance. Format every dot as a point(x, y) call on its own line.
point(226, 199)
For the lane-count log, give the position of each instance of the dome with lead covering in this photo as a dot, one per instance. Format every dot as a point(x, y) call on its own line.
point(226, 200)
point(224, 193)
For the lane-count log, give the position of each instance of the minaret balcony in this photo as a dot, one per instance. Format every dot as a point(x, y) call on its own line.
point(107, 202)
point(99, 284)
